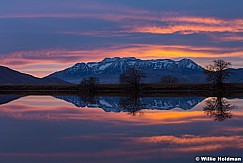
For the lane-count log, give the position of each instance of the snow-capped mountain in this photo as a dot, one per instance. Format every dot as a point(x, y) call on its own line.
point(109, 69)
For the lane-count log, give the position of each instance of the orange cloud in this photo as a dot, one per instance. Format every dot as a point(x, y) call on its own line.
point(140, 20)
point(188, 24)
point(42, 63)
point(183, 29)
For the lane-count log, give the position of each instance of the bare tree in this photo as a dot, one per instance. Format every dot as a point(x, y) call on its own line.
point(89, 84)
point(217, 73)
point(133, 77)
point(169, 79)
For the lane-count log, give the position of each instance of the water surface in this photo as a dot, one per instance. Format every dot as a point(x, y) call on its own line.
point(119, 129)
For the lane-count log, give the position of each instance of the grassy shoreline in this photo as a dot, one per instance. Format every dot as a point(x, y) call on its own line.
point(117, 89)
point(124, 87)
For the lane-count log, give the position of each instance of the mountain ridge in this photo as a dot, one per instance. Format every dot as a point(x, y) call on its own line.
point(111, 68)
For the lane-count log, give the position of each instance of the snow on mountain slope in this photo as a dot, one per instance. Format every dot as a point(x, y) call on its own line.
point(113, 67)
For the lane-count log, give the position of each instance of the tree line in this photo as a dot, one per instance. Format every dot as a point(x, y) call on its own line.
point(216, 73)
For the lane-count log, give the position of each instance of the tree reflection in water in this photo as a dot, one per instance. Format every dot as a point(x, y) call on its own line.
point(132, 104)
point(219, 108)
point(89, 99)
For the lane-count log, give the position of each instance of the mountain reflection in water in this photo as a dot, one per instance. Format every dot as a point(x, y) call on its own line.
point(47, 129)
point(117, 104)
point(219, 108)
point(4, 99)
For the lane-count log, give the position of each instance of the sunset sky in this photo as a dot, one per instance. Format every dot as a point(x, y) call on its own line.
point(40, 37)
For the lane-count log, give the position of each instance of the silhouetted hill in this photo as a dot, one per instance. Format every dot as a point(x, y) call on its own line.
point(13, 77)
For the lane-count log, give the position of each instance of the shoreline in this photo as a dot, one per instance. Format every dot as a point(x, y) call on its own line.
point(157, 90)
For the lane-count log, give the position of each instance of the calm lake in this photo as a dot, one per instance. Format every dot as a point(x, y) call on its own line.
point(68, 129)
